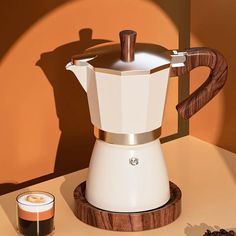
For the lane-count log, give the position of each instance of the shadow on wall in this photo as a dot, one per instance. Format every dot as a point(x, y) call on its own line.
point(24, 15)
point(70, 99)
point(217, 32)
point(77, 139)
point(71, 104)
point(31, 11)
point(13, 12)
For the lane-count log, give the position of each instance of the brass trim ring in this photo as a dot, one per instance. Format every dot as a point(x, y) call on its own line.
point(127, 139)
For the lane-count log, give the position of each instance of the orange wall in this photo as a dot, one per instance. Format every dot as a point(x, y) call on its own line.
point(213, 25)
point(45, 125)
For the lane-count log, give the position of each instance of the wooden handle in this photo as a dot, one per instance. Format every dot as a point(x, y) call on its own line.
point(127, 43)
point(201, 57)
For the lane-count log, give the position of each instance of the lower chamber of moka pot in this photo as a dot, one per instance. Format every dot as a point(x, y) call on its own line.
point(131, 221)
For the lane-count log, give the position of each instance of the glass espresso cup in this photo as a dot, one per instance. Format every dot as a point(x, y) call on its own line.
point(35, 213)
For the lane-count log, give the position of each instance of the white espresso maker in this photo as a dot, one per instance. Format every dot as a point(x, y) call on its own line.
point(126, 88)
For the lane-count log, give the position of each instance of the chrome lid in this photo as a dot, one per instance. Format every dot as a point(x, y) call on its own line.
point(127, 56)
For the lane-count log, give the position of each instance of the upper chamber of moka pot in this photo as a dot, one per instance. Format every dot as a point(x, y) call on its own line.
point(126, 84)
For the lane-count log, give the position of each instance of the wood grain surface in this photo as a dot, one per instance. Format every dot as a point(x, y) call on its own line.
point(202, 57)
point(127, 43)
point(127, 222)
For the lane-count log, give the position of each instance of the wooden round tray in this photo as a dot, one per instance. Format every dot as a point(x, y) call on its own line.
point(135, 221)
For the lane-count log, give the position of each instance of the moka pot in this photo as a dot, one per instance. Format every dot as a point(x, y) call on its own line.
point(126, 89)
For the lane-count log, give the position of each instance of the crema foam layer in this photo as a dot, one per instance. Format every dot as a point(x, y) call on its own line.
point(35, 202)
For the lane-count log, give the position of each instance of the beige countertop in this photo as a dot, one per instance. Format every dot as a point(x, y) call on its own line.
point(205, 173)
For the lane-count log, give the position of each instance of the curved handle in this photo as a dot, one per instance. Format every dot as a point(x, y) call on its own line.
point(201, 57)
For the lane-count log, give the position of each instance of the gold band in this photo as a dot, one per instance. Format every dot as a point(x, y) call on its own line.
point(127, 139)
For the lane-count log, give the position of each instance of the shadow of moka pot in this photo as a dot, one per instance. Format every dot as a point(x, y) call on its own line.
point(126, 86)
point(75, 145)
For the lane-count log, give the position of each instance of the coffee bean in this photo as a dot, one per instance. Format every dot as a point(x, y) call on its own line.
point(231, 233)
point(221, 232)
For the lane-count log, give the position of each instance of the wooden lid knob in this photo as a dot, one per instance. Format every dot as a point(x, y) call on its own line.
point(127, 43)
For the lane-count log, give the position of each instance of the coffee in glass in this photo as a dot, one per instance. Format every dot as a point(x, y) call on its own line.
point(35, 211)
